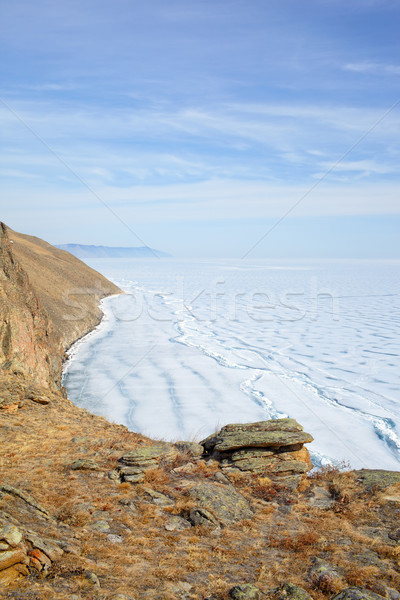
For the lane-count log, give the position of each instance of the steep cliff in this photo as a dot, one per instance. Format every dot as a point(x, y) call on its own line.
point(48, 299)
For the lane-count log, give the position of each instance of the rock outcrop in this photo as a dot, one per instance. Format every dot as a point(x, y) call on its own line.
point(24, 553)
point(134, 464)
point(271, 448)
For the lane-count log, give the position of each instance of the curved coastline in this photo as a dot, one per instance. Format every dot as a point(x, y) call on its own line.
point(72, 349)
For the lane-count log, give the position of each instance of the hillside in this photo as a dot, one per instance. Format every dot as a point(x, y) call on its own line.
point(49, 299)
point(85, 251)
point(90, 510)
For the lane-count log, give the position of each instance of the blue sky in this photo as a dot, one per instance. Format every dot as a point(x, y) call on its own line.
point(195, 126)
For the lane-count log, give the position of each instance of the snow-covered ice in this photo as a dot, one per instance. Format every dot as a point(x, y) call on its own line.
point(193, 345)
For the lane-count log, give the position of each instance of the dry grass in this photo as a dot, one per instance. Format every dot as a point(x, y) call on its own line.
point(277, 545)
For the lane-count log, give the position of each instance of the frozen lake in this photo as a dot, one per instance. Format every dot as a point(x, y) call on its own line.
point(196, 344)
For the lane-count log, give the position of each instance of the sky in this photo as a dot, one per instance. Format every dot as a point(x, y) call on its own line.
point(257, 128)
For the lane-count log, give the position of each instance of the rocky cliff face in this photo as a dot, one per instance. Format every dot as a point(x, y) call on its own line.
point(27, 343)
point(48, 299)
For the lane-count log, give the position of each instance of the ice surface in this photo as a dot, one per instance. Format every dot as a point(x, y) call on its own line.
point(194, 345)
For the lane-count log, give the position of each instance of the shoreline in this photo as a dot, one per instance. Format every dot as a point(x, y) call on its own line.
point(73, 348)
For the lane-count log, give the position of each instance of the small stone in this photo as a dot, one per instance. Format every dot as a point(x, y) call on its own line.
point(129, 503)
point(101, 526)
point(322, 574)
point(158, 498)
point(92, 578)
point(41, 558)
point(134, 478)
point(245, 592)
point(84, 464)
point(181, 589)
point(11, 535)
point(114, 475)
point(176, 523)
point(41, 400)
point(115, 539)
point(394, 534)
point(79, 439)
point(69, 548)
point(221, 478)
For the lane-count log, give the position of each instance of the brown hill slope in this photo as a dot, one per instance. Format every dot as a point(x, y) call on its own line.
point(67, 288)
point(48, 299)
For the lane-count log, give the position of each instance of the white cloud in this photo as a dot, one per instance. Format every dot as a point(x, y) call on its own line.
point(373, 67)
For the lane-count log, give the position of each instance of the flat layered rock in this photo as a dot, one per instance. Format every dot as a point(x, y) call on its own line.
point(377, 478)
point(276, 433)
point(259, 461)
point(147, 457)
point(133, 464)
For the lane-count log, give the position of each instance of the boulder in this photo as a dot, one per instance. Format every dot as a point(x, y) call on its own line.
point(273, 448)
point(133, 464)
point(323, 575)
point(357, 593)
point(84, 464)
point(276, 433)
point(224, 503)
point(291, 591)
point(245, 592)
point(176, 523)
point(377, 478)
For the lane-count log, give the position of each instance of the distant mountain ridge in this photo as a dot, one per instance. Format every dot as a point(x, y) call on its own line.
point(88, 251)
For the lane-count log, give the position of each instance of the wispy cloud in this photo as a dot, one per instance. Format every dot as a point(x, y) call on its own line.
point(373, 68)
point(213, 109)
